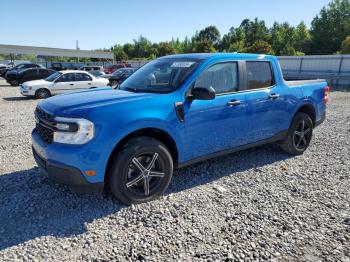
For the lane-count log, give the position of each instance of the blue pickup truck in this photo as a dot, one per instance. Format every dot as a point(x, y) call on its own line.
point(173, 112)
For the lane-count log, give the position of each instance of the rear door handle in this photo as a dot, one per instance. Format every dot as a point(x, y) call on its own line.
point(71, 84)
point(234, 103)
point(89, 83)
point(274, 96)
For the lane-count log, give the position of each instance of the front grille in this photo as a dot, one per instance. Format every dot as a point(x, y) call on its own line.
point(45, 126)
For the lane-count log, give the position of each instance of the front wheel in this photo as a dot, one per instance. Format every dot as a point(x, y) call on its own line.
point(141, 171)
point(299, 135)
point(42, 93)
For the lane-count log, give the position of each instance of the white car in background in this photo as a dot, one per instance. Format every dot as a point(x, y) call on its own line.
point(62, 82)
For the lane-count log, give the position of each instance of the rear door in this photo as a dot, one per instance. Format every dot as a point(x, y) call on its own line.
point(83, 81)
point(266, 108)
point(30, 74)
point(215, 125)
point(43, 73)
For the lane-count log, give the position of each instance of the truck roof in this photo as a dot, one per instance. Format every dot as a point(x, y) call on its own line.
point(218, 56)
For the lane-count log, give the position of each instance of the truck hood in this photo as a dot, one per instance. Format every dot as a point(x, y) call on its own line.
point(79, 103)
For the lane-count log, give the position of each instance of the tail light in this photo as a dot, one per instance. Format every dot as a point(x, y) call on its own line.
point(325, 96)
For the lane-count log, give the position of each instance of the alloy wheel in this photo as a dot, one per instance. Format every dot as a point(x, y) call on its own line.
point(145, 173)
point(302, 135)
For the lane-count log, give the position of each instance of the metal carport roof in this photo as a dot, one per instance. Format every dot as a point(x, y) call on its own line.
point(48, 51)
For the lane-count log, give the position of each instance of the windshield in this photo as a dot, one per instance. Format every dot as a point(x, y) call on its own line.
point(160, 76)
point(53, 77)
point(118, 72)
point(21, 66)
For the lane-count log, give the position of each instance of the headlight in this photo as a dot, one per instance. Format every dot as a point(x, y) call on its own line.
point(75, 131)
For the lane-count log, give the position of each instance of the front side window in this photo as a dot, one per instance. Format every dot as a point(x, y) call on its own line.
point(160, 76)
point(259, 75)
point(69, 77)
point(223, 77)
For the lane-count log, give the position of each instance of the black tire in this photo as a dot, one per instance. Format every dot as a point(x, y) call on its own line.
point(13, 82)
point(114, 83)
point(128, 183)
point(42, 94)
point(299, 135)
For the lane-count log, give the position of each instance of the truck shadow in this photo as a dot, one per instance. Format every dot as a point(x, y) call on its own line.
point(18, 98)
point(31, 206)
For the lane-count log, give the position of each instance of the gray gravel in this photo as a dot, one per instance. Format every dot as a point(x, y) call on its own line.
point(258, 204)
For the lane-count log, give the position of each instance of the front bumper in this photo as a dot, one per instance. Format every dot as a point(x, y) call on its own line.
point(66, 175)
point(64, 172)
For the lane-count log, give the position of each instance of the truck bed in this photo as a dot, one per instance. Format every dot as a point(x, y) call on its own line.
point(304, 82)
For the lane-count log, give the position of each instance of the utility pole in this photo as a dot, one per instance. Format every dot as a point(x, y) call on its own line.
point(77, 47)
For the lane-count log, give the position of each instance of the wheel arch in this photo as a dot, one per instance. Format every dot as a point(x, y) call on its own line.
point(42, 88)
point(308, 109)
point(156, 133)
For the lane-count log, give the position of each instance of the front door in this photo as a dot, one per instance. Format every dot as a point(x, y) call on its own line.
point(215, 125)
point(65, 83)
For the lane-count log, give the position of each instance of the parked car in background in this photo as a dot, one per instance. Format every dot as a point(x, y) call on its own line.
point(112, 68)
point(15, 78)
point(97, 73)
point(91, 68)
point(20, 67)
point(173, 112)
point(120, 75)
point(62, 82)
point(57, 66)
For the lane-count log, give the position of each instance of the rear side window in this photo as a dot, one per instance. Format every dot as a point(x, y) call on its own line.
point(259, 75)
point(30, 73)
point(223, 77)
point(82, 77)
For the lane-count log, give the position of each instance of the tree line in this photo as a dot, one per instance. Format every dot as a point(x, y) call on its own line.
point(329, 34)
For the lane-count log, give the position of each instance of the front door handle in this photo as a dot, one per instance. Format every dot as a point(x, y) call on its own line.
point(89, 83)
point(274, 96)
point(71, 84)
point(234, 103)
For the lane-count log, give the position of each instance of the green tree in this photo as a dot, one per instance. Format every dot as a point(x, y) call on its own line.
point(210, 34)
point(254, 31)
point(302, 38)
point(345, 46)
point(330, 27)
point(283, 39)
point(204, 46)
point(234, 41)
point(261, 47)
point(129, 49)
point(165, 49)
point(119, 53)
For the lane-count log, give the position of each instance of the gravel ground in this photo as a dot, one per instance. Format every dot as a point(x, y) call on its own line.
point(258, 204)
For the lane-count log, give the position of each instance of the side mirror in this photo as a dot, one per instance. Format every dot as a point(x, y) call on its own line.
point(203, 93)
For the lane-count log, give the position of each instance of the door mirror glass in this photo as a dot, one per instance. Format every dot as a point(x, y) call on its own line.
point(203, 93)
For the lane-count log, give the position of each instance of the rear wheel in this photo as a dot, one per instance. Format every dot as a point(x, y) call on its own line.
point(299, 135)
point(14, 83)
point(42, 93)
point(142, 171)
